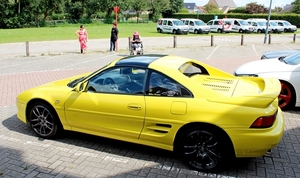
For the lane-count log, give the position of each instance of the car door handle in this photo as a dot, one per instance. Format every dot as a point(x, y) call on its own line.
point(134, 107)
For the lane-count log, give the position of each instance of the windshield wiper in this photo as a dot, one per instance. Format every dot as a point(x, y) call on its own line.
point(282, 59)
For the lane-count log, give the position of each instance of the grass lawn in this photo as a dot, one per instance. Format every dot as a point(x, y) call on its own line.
point(67, 32)
point(95, 31)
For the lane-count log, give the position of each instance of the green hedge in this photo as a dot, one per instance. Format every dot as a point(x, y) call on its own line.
point(292, 18)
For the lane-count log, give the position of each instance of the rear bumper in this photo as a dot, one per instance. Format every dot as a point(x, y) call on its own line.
point(258, 141)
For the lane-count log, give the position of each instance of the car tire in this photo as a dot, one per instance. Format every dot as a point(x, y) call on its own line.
point(259, 31)
point(287, 96)
point(174, 32)
point(241, 31)
point(160, 30)
point(203, 149)
point(219, 30)
point(196, 32)
point(44, 120)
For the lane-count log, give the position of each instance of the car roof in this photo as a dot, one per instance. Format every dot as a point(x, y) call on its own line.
point(155, 60)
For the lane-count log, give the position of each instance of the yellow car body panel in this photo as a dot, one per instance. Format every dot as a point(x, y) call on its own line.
point(217, 98)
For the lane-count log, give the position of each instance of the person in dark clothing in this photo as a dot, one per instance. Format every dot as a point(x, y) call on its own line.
point(113, 37)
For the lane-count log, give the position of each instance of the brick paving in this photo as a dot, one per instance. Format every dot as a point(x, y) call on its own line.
point(23, 154)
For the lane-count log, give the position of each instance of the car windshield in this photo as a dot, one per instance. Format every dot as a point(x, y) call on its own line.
point(293, 59)
point(200, 23)
point(73, 83)
point(261, 23)
point(273, 24)
point(178, 23)
point(243, 22)
point(286, 23)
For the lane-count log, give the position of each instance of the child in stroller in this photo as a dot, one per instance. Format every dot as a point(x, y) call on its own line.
point(136, 44)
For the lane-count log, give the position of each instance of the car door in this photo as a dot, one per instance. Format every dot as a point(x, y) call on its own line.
point(192, 26)
point(169, 26)
point(235, 26)
point(167, 103)
point(112, 105)
point(187, 23)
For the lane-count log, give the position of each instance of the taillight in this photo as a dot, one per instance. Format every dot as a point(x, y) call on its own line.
point(264, 121)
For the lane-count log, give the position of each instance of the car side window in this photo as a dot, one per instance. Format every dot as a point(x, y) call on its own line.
point(170, 23)
point(161, 85)
point(191, 23)
point(209, 23)
point(165, 22)
point(186, 22)
point(126, 80)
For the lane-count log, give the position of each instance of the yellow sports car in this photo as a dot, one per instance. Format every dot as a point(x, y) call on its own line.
point(203, 114)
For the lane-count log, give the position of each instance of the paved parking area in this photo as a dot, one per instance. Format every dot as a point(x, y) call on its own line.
point(23, 154)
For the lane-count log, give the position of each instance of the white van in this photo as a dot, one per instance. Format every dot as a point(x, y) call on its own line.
point(196, 26)
point(219, 25)
point(275, 28)
point(170, 25)
point(259, 25)
point(288, 27)
point(239, 25)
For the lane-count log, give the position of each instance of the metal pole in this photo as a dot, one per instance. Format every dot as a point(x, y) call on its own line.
point(269, 38)
point(212, 40)
point(294, 39)
point(242, 39)
point(129, 43)
point(174, 42)
point(268, 21)
point(27, 48)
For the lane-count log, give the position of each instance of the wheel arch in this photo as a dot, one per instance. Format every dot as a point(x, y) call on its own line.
point(217, 129)
point(30, 104)
point(293, 90)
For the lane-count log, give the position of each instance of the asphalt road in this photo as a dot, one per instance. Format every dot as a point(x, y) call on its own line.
point(23, 154)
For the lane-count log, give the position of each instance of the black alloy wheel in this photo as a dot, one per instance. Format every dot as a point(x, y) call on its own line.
point(43, 120)
point(202, 149)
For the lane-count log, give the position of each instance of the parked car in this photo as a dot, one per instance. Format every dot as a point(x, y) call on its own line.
point(259, 25)
point(239, 25)
point(288, 27)
point(205, 115)
point(278, 54)
point(169, 25)
point(219, 25)
point(275, 28)
point(286, 69)
point(196, 26)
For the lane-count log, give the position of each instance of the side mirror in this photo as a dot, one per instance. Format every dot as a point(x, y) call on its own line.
point(80, 87)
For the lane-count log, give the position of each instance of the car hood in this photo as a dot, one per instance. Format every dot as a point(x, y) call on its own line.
point(277, 54)
point(263, 66)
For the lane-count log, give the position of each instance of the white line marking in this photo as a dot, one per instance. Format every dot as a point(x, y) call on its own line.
point(212, 52)
point(254, 50)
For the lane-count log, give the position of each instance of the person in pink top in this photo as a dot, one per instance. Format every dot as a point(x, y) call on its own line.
point(83, 38)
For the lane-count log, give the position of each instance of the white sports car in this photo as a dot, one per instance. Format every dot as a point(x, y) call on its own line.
point(286, 69)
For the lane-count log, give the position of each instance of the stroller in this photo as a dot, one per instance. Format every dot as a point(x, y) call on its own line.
point(139, 49)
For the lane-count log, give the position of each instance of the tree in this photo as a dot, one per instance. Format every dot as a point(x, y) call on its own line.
point(296, 6)
point(138, 6)
point(277, 9)
point(212, 8)
point(175, 6)
point(238, 10)
point(254, 8)
point(156, 7)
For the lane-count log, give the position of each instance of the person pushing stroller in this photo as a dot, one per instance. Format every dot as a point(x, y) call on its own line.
point(136, 42)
